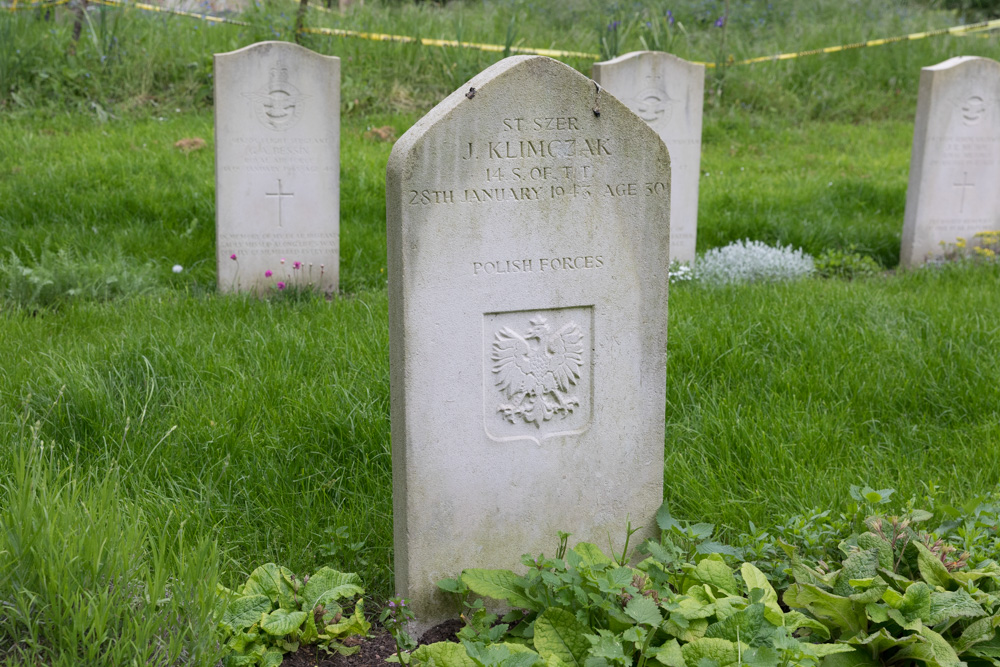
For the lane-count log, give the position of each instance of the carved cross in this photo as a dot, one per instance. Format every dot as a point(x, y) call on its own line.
point(279, 194)
point(964, 184)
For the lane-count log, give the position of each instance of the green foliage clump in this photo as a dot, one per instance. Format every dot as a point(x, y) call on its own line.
point(275, 612)
point(846, 263)
point(584, 607)
point(888, 591)
point(984, 247)
point(901, 593)
point(51, 278)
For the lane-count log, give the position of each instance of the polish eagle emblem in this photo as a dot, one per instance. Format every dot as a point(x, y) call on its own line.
point(536, 372)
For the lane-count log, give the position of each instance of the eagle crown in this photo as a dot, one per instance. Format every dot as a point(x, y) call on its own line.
point(539, 329)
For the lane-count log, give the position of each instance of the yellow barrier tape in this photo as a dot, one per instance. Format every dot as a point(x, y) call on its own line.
point(163, 10)
point(958, 30)
point(976, 31)
point(36, 5)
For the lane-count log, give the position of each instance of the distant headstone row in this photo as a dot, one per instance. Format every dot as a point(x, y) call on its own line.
point(278, 158)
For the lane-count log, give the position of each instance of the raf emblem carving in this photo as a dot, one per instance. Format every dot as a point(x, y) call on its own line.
point(973, 110)
point(537, 371)
point(653, 104)
point(278, 104)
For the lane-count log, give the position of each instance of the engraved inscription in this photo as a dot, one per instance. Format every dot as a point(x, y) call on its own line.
point(536, 160)
point(533, 193)
point(538, 264)
point(285, 243)
point(537, 370)
point(288, 156)
point(278, 104)
point(964, 151)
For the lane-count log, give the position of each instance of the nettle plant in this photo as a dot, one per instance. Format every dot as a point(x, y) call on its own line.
point(275, 612)
point(683, 606)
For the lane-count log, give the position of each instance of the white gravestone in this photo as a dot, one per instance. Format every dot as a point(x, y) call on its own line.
point(668, 93)
point(527, 243)
point(277, 168)
point(954, 188)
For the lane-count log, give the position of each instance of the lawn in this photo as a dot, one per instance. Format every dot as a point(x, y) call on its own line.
point(253, 430)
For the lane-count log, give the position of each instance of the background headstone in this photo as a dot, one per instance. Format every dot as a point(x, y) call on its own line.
point(277, 168)
point(527, 239)
point(668, 93)
point(955, 165)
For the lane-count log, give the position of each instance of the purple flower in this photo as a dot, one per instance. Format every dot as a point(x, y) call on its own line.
point(392, 605)
point(614, 25)
point(297, 265)
point(281, 285)
point(670, 17)
point(268, 274)
point(233, 256)
point(721, 21)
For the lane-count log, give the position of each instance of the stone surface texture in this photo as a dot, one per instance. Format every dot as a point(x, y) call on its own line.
point(277, 168)
point(955, 164)
point(527, 246)
point(668, 93)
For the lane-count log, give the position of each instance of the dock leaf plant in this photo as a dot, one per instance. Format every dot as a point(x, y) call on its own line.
point(687, 603)
point(275, 612)
point(843, 591)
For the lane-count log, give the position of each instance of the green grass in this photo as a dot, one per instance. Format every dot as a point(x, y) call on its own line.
point(781, 396)
point(263, 424)
point(90, 577)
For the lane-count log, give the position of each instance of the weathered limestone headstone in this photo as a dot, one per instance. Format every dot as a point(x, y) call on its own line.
point(527, 238)
point(668, 93)
point(277, 168)
point(954, 188)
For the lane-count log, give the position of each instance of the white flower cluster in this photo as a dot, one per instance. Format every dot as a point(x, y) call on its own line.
point(752, 261)
point(680, 272)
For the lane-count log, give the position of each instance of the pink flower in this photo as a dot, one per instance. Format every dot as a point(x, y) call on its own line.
point(282, 260)
point(268, 274)
point(233, 256)
point(297, 265)
point(281, 285)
